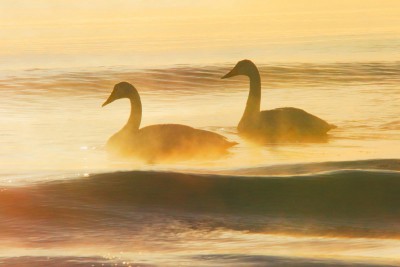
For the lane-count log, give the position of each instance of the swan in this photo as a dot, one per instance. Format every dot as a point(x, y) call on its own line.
point(277, 125)
point(162, 142)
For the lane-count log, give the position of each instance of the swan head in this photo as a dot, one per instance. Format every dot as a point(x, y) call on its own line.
point(243, 67)
point(121, 90)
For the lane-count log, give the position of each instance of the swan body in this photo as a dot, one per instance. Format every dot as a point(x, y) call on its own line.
point(277, 125)
point(161, 142)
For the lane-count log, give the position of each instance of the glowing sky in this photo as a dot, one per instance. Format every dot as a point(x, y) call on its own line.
point(36, 29)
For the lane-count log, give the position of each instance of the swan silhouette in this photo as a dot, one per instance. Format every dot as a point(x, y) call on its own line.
point(161, 142)
point(277, 125)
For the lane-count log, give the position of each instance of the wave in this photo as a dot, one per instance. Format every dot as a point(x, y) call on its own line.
point(393, 125)
point(341, 202)
point(309, 168)
point(190, 77)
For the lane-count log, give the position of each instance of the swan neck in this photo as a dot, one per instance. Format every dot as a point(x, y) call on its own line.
point(255, 84)
point(254, 98)
point(252, 110)
point(135, 117)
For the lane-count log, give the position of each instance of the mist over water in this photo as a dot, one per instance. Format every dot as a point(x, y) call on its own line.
point(52, 120)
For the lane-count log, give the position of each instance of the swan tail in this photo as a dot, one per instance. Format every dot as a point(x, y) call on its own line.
point(231, 144)
point(332, 126)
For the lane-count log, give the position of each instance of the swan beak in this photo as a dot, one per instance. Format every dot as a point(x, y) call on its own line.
point(232, 73)
point(108, 101)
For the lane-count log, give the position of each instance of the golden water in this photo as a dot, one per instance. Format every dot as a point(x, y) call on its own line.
point(59, 62)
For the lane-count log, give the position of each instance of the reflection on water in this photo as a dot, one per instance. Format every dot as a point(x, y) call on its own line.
point(200, 248)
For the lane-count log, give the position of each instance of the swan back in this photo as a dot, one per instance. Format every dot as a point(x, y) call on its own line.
point(169, 142)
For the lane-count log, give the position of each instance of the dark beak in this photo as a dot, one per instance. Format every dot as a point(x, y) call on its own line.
point(232, 73)
point(108, 101)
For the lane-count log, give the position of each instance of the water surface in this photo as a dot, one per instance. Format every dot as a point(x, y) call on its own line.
point(327, 204)
point(65, 202)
